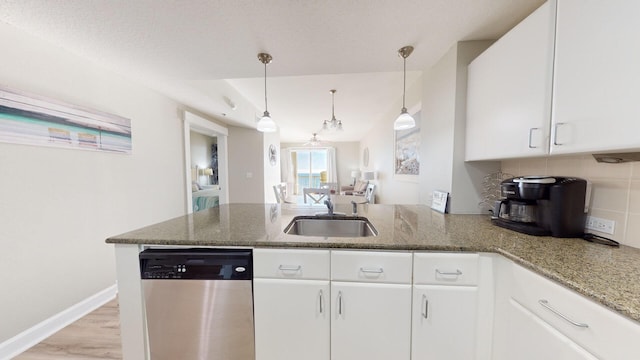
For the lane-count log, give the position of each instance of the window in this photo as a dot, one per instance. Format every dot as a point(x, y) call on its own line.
point(309, 168)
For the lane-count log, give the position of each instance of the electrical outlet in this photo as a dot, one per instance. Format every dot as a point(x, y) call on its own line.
point(601, 225)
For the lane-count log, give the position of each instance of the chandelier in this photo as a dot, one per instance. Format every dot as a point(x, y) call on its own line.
point(314, 141)
point(332, 124)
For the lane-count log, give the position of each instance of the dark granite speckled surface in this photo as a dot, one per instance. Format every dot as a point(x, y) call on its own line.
point(610, 276)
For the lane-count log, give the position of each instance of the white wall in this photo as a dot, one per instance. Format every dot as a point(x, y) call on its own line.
point(442, 135)
point(380, 141)
point(271, 172)
point(57, 206)
point(246, 165)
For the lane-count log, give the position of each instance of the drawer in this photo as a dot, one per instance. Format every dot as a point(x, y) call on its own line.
point(599, 330)
point(445, 268)
point(291, 264)
point(371, 266)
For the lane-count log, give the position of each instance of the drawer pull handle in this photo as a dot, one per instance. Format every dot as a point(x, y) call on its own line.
point(425, 312)
point(545, 304)
point(445, 273)
point(340, 303)
point(290, 268)
point(372, 270)
point(321, 301)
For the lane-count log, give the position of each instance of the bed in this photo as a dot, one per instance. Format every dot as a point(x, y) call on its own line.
point(203, 196)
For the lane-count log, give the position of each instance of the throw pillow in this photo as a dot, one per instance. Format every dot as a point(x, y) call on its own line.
point(360, 186)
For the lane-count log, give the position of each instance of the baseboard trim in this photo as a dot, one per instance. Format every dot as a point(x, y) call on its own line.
point(35, 334)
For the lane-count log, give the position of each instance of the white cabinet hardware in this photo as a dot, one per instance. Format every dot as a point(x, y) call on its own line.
point(546, 305)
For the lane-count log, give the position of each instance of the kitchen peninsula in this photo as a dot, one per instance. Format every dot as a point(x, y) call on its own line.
point(604, 275)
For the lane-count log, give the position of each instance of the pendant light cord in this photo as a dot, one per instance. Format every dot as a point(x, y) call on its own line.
point(265, 87)
point(333, 93)
point(404, 80)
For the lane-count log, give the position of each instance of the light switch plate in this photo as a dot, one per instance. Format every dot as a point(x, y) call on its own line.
point(601, 225)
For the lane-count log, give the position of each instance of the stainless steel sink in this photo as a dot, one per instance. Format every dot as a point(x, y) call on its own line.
point(331, 226)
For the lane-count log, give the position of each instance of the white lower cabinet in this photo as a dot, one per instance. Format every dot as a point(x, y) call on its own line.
point(536, 318)
point(370, 321)
point(445, 306)
point(371, 305)
point(292, 319)
point(380, 305)
point(444, 322)
point(292, 309)
point(530, 338)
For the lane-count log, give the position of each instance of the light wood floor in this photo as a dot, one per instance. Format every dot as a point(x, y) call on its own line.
point(95, 336)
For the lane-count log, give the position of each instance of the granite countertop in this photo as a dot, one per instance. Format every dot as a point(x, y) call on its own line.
point(608, 275)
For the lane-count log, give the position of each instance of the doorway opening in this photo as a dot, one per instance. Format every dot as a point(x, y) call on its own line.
point(199, 168)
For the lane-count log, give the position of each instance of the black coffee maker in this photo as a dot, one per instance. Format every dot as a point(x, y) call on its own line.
point(543, 206)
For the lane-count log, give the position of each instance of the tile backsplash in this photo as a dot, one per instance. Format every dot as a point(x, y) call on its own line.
point(615, 188)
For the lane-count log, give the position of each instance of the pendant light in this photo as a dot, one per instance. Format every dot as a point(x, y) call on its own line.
point(266, 124)
point(404, 120)
point(332, 124)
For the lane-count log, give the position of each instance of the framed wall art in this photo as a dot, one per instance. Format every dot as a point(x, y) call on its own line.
point(36, 120)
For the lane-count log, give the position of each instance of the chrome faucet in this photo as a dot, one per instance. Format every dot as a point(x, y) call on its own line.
point(329, 206)
point(354, 207)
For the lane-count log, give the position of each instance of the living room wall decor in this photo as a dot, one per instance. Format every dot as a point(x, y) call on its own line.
point(407, 147)
point(35, 120)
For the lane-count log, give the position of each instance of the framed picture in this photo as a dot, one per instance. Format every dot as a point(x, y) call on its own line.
point(36, 120)
point(407, 151)
point(439, 202)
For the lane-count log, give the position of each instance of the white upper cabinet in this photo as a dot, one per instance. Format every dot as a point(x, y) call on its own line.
point(564, 81)
point(597, 77)
point(509, 92)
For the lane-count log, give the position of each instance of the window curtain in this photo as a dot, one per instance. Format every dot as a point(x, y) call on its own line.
point(332, 173)
point(288, 169)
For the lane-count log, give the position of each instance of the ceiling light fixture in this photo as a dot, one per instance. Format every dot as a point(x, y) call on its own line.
point(332, 124)
point(314, 141)
point(266, 124)
point(404, 120)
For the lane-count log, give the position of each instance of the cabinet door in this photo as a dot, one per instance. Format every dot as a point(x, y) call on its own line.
point(509, 92)
point(291, 319)
point(530, 338)
point(370, 321)
point(596, 87)
point(444, 322)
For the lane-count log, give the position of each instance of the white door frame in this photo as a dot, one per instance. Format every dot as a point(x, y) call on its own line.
point(198, 124)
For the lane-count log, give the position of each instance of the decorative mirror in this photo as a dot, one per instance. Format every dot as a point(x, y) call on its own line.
point(273, 153)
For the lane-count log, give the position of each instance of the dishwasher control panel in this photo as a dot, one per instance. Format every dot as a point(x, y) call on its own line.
point(211, 264)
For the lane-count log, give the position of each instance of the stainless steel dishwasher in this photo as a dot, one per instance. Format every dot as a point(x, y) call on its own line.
point(198, 303)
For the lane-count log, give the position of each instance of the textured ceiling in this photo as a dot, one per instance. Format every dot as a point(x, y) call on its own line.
point(184, 48)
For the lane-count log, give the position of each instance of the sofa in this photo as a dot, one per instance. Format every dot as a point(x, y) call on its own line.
point(359, 188)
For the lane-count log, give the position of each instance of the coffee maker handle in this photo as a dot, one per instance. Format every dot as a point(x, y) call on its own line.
point(498, 209)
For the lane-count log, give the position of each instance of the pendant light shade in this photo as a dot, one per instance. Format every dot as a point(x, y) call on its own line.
point(404, 120)
point(266, 124)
